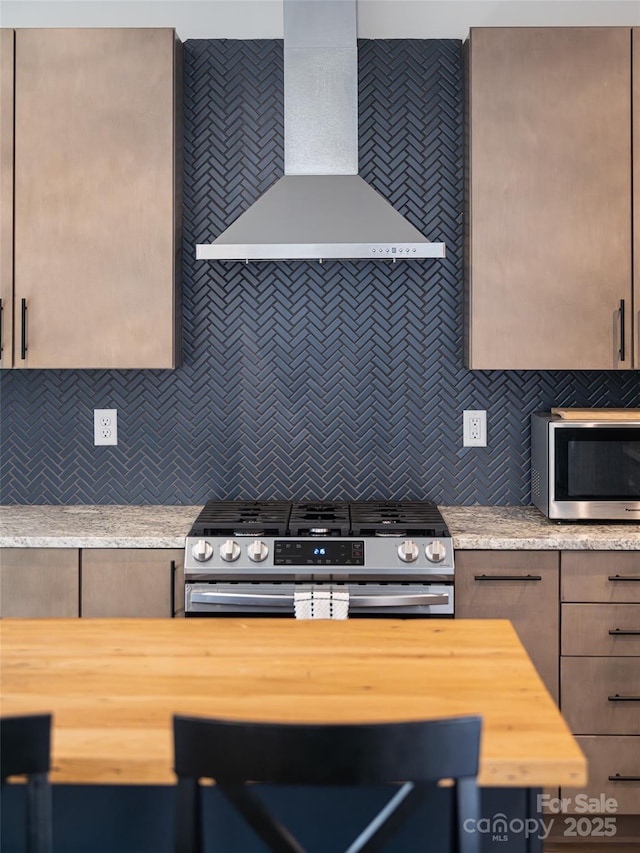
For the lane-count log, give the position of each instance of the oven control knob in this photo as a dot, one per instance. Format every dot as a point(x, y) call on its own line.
point(257, 551)
point(436, 552)
point(202, 551)
point(408, 551)
point(230, 551)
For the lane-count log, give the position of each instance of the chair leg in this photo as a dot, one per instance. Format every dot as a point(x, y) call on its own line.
point(466, 801)
point(188, 817)
point(39, 814)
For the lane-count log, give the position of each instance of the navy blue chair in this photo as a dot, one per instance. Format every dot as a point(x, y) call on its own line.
point(25, 750)
point(414, 756)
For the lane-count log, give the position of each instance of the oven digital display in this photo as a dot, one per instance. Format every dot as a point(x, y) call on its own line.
point(321, 552)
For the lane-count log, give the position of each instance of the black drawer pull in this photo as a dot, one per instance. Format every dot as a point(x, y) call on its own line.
point(621, 632)
point(621, 351)
point(624, 577)
point(508, 577)
point(172, 597)
point(618, 698)
point(619, 778)
point(23, 328)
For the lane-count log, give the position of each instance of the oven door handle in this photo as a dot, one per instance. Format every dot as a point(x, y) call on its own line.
point(258, 599)
point(247, 599)
point(413, 600)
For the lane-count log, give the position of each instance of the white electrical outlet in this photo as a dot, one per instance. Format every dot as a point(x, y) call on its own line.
point(474, 428)
point(105, 426)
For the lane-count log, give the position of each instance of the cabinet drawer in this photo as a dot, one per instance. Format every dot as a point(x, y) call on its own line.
point(603, 576)
point(610, 757)
point(521, 586)
point(601, 696)
point(601, 629)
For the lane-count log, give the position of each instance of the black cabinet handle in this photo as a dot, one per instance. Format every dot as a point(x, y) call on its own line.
point(624, 577)
point(622, 347)
point(619, 778)
point(618, 698)
point(1, 325)
point(620, 632)
point(23, 337)
point(172, 596)
point(508, 577)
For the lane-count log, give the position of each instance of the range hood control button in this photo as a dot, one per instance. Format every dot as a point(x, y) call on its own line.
point(257, 551)
point(230, 551)
point(408, 551)
point(202, 551)
point(436, 552)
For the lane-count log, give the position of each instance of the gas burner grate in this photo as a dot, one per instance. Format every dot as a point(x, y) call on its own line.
point(319, 518)
point(273, 518)
point(397, 518)
point(243, 518)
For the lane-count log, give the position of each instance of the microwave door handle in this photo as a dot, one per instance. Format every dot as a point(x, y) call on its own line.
point(415, 600)
point(247, 599)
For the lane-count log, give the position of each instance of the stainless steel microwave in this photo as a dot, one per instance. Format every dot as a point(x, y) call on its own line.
point(586, 470)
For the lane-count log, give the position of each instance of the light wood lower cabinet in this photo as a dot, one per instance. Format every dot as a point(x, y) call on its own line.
point(601, 629)
point(521, 586)
point(601, 694)
point(39, 582)
point(601, 576)
point(614, 770)
point(123, 582)
point(600, 672)
point(101, 582)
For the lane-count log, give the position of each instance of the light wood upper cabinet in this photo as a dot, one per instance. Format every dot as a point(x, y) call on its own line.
point(97, 198)
point(635, 64)
point(549, 254)
point(7, 39)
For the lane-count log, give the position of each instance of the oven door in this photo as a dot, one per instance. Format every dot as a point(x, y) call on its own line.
point(220, 598)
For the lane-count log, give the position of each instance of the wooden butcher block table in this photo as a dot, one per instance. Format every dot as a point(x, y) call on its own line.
point(113, 685)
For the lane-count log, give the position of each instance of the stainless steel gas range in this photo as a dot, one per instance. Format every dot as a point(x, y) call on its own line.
point(319, 558)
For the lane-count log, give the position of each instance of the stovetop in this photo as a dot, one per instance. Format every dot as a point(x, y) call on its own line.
point(320, 518)
point(270, 540)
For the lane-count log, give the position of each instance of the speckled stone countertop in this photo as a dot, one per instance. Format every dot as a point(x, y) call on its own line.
point(472, 527)
point(95, 526)
point(509, 528)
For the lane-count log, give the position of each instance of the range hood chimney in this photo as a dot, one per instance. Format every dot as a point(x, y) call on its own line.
point(321, 208)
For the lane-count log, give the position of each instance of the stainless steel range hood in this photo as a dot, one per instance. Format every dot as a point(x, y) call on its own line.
point(321, 208)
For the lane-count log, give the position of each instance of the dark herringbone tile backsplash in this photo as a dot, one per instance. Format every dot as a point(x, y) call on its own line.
point(339, 380)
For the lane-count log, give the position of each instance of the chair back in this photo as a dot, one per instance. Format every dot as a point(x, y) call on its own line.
point(25, 750)
point(414, 755)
